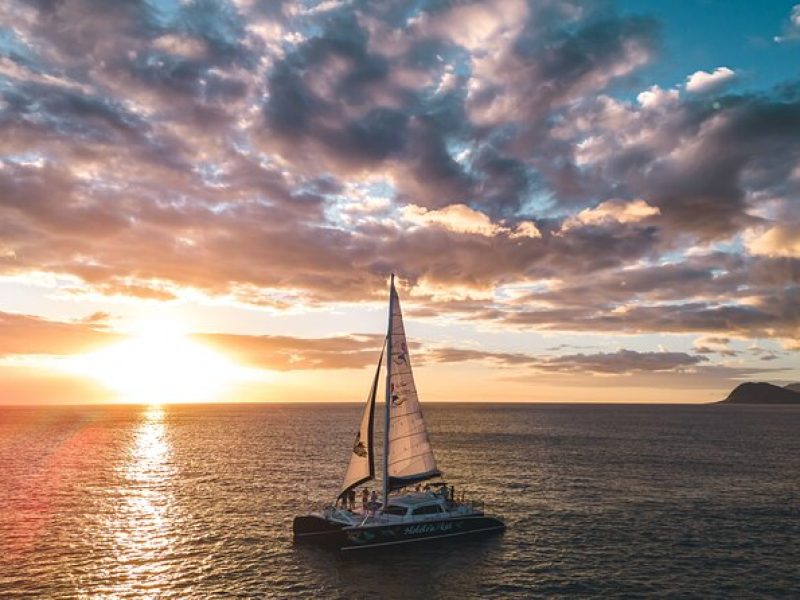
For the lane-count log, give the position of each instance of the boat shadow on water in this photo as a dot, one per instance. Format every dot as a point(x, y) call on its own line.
point(462, 549)
point(440, 567)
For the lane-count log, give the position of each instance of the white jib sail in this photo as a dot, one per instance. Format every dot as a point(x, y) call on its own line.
point(410, 454)
point(362, 458)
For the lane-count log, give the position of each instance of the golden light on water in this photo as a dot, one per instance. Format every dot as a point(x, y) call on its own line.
point(143, 523)
point(160, 363)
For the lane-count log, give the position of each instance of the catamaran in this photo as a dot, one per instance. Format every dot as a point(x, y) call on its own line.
point(408, 460)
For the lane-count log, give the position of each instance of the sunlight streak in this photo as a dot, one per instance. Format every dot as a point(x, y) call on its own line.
point(143, 523)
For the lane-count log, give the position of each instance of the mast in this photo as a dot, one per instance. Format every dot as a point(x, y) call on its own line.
point(388, 396)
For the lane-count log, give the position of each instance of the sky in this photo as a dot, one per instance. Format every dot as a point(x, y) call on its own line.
point(582, 201)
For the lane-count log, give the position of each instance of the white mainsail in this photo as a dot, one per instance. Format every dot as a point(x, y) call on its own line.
point(410, 456)
point(362, 459)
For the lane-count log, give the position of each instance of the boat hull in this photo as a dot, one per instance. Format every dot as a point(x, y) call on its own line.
point(320, 531)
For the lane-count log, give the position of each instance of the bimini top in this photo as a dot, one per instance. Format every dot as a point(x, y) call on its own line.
point(416, 499)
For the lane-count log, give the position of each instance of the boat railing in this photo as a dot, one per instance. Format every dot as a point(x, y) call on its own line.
point(464, 500)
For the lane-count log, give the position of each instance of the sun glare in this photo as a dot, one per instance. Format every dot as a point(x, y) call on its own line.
point(160, 363)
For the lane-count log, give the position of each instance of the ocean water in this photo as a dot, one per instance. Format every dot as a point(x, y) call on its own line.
point(600, 501)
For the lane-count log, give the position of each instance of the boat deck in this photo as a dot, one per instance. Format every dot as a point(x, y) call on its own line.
point(410, 502)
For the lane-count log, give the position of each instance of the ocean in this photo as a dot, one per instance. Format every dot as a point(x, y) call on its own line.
point(605, 501)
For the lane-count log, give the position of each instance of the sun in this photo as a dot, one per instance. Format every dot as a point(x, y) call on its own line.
point(160, 363)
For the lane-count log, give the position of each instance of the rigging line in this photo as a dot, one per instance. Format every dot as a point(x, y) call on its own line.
point(408, 435)
point(405, 414)
point(429, 451)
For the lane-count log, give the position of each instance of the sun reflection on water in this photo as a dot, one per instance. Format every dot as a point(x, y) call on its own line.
point(143, 528)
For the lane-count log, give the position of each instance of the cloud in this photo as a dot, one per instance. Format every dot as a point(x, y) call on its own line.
point(782, 239)
point(525, 229)
point(460, 218)
point(656, 98)
point(624, 361)
point(285, 353)
point(612, 211)
point(213, 150)
point(26, 334)
point(791, 30)
point(772, 316)
point(540, 69)
point(619, 362)
point(456, 217)
point(701, 82)
point(707, 166)
point(714, 345)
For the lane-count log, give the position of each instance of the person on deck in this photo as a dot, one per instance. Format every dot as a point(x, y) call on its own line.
point(364, 500)
point(373, 502)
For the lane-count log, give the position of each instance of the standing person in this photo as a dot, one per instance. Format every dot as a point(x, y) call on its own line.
point(364, 500)
point(373, 502)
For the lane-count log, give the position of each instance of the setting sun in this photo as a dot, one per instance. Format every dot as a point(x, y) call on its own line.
point(160, 363)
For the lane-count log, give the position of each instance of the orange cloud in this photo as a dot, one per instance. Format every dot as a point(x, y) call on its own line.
point(26, 334)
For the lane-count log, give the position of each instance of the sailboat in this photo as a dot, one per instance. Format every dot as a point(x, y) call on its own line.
point(397, 516)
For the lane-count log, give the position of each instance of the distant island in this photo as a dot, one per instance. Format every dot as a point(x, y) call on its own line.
point(763, 393)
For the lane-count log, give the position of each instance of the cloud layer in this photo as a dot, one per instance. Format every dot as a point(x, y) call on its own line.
point(34, 337)
point(503, 155)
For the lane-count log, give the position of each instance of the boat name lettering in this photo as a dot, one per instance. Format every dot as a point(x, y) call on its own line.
point(427, 528)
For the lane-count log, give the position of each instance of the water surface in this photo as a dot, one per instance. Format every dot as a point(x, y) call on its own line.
point(197, 501)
